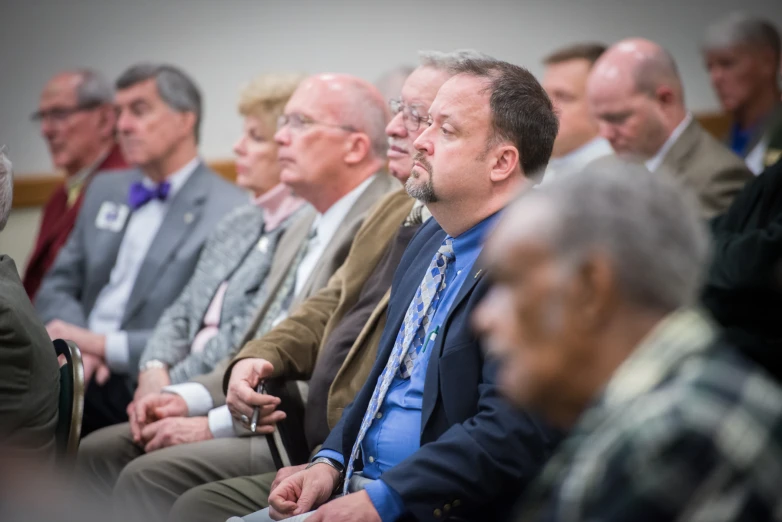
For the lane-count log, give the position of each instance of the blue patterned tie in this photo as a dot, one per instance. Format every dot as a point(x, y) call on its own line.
point(409, 340)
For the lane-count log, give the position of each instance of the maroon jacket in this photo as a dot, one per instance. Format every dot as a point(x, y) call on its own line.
point(56, 225)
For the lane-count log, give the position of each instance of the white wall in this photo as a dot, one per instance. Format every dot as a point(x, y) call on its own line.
point(223, 43)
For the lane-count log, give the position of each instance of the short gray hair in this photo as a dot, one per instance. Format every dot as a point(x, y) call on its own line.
point(6, 187)
point(450, 61)
point(365, 110)
point(93, 89)
point(645, 222)
point(175, 87)
point(742, 28)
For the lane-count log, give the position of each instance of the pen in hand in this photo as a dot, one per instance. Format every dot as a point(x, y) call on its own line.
point(257, 409)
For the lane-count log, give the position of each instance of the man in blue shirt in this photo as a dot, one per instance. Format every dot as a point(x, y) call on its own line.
point(428, 435)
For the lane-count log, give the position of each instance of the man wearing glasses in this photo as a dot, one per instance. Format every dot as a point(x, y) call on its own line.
point(77, 119)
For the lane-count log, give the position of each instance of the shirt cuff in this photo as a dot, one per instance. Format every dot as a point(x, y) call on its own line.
point(221, 423)
point(197, 397)
point(117, 354)
point(330, 454)
point(387, 502)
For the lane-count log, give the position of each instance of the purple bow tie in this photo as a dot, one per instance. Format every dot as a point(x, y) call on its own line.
point(140, 195)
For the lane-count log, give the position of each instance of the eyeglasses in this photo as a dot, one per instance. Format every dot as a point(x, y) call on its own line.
point(299, 121)
point(410, 114)
point(60, 114)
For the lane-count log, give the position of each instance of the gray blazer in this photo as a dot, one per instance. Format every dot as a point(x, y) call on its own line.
point(331, 259)
point(238, 251)
point(84, 264)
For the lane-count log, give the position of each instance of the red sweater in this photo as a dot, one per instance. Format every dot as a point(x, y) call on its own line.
point(56, 225)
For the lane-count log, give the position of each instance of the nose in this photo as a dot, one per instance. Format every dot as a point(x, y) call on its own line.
point(124, 122)
point(396, 127)
point(606, 130)
point(423, 143)
point(282, 136)
point(240, 146)
point(48, 129)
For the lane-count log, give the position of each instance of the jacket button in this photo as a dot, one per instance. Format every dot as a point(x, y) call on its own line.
point(447, 508)
point(437, 513)
point(371, 459)
point(457, 503)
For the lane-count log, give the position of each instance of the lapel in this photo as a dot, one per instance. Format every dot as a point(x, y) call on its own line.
point(379, 311)
point(432, 382)
point(677, 156)
point(380, 185)
point(284, 255)
point(181, 218)
point(248, 232)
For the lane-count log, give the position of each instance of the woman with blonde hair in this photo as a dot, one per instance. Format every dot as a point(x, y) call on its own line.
point(209, 319)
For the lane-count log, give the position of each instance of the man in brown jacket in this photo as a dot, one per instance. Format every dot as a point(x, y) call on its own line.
point(636, 95)
point(332, 338)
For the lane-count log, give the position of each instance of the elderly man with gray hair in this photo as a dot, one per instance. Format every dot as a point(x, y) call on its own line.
point(137, 238)
point(77, 119)
point(742, 55)
point(591, 314)
point(29, 377)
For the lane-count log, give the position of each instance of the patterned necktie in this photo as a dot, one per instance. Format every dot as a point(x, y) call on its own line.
point(409, 340)
point(140, 195)
point(284, 296)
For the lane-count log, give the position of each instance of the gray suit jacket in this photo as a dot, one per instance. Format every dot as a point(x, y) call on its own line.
point(29, 374)
point(237, 252)
point(329, 262)
point(84, 264)
point(705, 166)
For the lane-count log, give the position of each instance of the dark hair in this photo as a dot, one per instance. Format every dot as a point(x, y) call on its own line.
point(521, 110)
point(590, 52)
point(175, 88)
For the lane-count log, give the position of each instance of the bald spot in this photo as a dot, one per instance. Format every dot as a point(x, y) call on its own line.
point(62, 85)
point(638, 64)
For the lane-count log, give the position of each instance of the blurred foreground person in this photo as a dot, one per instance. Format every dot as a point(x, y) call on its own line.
point(29, 376)
point(742, 55)
point(591, 317)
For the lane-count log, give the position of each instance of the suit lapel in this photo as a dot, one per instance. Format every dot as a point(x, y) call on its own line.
point(180, 219)
point(432, 382)
point(673, 161)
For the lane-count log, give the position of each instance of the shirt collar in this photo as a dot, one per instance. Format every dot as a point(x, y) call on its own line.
point(468, 245)
point(176, 179)
point(278, 204)
point(76, 181)
point(654, 162)
point(326, 224)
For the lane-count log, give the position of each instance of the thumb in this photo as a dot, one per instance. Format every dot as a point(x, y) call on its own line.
point(167, 410)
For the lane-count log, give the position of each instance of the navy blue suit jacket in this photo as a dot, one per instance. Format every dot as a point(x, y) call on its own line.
point(477, 452)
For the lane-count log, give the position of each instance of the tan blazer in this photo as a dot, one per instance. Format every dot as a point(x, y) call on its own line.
point(331, 259)
point(705, 166)
point(293, 346)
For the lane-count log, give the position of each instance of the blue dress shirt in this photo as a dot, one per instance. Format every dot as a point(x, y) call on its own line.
point(396, 432)
point(739, 139)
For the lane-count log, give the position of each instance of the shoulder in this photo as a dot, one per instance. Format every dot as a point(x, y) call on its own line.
point(215, 182)
point(715, 157)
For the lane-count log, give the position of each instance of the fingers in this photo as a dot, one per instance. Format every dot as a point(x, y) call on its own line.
point(103, 374)
point(135, 427)
point(149, 431)
point(269, 421)
point(159, 441)
point(173, 406)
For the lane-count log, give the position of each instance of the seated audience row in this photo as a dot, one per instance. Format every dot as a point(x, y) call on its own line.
point(316, 348)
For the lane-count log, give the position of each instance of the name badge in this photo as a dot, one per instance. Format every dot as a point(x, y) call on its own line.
point(112, 216)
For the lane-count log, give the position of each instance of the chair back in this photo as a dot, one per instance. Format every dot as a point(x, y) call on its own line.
point(71, 404)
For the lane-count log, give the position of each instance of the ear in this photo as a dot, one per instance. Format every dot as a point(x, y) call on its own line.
point(107, 121)
point(505, 163)
point(357, 148)
point(665, 95)
point(594, 294)
point(188, 121)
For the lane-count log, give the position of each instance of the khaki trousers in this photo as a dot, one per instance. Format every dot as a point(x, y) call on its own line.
point(218, 501)
point(145, 486)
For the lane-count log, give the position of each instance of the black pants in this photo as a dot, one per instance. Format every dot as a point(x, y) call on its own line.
point(105, 405)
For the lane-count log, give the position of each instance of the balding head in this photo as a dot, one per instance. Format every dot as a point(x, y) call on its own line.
point(636, 94)
point(334, 137)
point(77, 118)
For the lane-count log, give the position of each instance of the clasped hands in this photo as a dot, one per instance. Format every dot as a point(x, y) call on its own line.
point(159, 420)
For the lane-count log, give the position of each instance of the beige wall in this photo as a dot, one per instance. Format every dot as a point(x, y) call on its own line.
point(17, 238)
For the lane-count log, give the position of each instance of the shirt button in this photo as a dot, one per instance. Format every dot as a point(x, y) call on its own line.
point(437, 513)
point(457, 503)
point(379, 415)
point(447, 508)
point(371, 459)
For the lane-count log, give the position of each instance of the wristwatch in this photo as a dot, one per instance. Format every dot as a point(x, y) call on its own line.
point(154, 364)
point(334, 464)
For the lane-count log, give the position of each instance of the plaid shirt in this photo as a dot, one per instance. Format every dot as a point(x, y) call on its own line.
point(684, 430)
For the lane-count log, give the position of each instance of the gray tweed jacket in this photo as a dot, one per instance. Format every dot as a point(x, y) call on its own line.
point(238, 252)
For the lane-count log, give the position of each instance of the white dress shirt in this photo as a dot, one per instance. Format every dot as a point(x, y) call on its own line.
point(198, 399)
point(574, 161)
point(143, 225)
point(653, 163)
